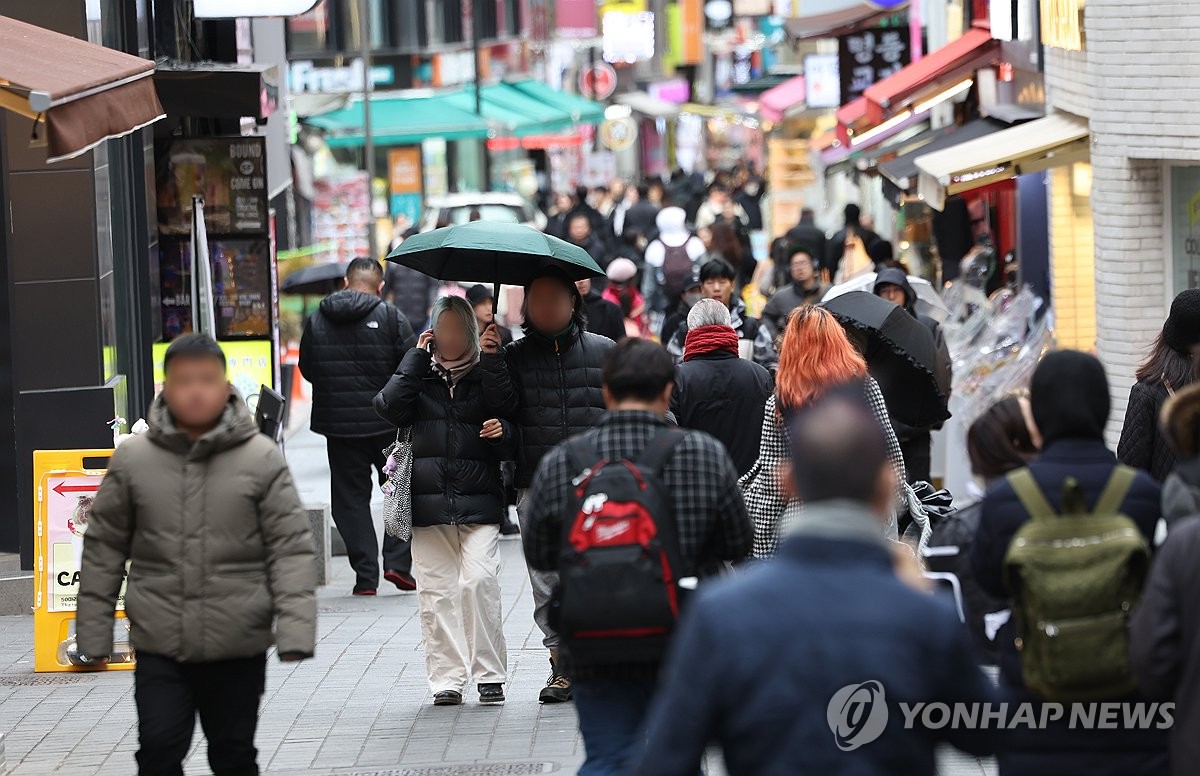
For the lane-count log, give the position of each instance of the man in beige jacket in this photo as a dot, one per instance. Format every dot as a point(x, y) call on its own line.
point(221, 566)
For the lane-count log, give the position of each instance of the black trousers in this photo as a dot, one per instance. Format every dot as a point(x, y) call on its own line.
point(917, 457)
point(351, 460)
point(225, 693)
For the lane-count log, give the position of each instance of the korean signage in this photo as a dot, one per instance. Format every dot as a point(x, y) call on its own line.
point(575, 19)
point(250, 365)
point(869, 56)
point(822, 81)
point(229, 172)
point(306, 77)
point(404, 182)
point(1062, 24)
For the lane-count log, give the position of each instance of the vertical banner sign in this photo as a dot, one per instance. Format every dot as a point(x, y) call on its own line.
point(691, 14)
point(404, 175)
point(576, 19)
point(869, 56)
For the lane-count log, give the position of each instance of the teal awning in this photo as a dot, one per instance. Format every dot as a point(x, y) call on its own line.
point(580, 109)
point(400, 121)
point(514, 112)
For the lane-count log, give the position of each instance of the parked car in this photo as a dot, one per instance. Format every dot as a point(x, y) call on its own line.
point(492, 206)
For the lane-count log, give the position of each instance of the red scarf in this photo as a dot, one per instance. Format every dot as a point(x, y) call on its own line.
point(708, 339)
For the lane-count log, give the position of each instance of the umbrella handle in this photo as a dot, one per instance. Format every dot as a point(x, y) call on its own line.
point(495, 285)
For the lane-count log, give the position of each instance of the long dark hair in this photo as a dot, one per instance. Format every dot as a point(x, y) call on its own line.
point(1166, 366)
point(999, 441)
point(725, 242)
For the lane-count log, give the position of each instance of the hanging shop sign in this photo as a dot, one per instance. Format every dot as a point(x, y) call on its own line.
point(232, 9)
point(598, 82)
point(307, 77)
point(869, 56)
point(404, 182)
point(822, 81)
point(1062, 24)
point(628, 37)
point(229, 172)
point(618, 134)
point(575, 19)
point(1185, 227)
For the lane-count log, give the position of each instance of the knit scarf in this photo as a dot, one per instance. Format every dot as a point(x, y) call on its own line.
point(452, 370)
point(708, 339)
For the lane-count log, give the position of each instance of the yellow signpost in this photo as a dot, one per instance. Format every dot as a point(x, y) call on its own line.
point(66, 482)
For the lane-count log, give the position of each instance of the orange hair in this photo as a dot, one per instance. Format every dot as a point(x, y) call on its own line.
point(815, 355)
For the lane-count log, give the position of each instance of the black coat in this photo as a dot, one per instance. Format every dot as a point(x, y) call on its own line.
point(455, 474)
point(411, 291)
point(1165, 639)
point(642, 216)
point(725, 396)
point(1059, 749)
point(808, 235)
point(1142, 446)
point(787, 299)
point(350, 348)
point(604, 317)
point(549, 387)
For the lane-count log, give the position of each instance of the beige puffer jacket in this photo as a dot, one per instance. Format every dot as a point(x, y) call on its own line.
point(222, 559)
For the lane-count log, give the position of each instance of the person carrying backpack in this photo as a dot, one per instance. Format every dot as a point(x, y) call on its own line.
point(672, 260)
point(1067, 541)
point(631, 515)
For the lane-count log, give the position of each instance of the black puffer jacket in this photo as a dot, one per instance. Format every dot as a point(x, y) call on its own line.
point(456, 474)
point(550, 387)
point(351, 346)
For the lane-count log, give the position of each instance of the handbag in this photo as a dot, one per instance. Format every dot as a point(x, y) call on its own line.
point(397, 490)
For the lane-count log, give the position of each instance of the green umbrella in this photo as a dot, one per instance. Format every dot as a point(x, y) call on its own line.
point(511, 254)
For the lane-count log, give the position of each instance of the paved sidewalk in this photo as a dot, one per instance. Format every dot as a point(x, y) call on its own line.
point(361, 707)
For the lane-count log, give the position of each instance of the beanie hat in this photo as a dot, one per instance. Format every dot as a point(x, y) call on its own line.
point(478, 294)
point(1182, 329)
point(621, 270)
point(1069, 396)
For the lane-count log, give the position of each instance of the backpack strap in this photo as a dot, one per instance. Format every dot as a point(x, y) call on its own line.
point(581, 454)
point(1120, 482)
point(655, 455)
point(1030, 495)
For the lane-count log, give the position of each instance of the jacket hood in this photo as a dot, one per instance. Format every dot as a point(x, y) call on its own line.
point(235, 427)
point(896, 277)
point(346, 306)
point(672, 230)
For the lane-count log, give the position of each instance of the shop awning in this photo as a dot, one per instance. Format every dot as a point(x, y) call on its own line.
point(937, 77)
point(845, 152)
point(400, 121)
point(513, 111)
point(775, 102)
point(580, 109)
point(1055, 140)
point(830, 18)
point(643, 103)
point(84, 93)
point(763, 83)
point(903, 172)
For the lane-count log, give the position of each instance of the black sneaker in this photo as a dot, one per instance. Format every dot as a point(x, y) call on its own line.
point(491, 694)
point(447, 698)
point(558, 687)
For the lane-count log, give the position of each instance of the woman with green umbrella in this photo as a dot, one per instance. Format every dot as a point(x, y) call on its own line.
point(549, 383)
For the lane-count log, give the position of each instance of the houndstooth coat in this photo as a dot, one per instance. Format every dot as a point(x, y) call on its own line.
point(765, 501)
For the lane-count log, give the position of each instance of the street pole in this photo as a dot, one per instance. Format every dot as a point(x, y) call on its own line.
point(364, 40)
point(487, 155)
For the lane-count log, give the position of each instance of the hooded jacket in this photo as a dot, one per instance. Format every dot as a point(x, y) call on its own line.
point(550, 387)
point(350, 348)
point(603, 317)
point(221, 551)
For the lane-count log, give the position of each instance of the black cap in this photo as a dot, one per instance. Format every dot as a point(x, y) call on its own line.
point(478, 294)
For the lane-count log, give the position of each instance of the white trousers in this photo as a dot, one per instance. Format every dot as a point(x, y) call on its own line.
point(457, 569)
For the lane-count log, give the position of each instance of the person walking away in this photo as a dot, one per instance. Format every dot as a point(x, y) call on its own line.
point(1179, 425)
point(482, 302)
point(641, 214)
point(805, 289)
point(815, 357)
point(723, 243)
point(412, 292)
point(717, 279)
point(350, 348)
point(1002, 440)
point(1164, 640)
point(622, 291)
point(768, 699)
point(603, 316)
point(1173, 364)
point(457, 504)
point(687, 495)
point(836, 246)
point(1070, 404)
point(715, 391)
point(203, 509)
point(915, 443)
point(548, 384)
point(806, 233)
point(672, 259)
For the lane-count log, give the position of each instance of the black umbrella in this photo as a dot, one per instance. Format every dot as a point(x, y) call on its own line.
point(319, 279)
point(901, 356)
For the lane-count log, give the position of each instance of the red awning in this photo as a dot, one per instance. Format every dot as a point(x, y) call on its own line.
point(848, 115)
point(941, 69)
point(775, 102)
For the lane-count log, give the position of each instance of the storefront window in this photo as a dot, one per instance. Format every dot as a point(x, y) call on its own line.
point(311, 31)
point(1185, 227)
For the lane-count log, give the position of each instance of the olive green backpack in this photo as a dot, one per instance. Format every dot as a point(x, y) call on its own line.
point(1074, 577)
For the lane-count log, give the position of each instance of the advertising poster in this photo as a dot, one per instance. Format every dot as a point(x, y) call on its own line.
point(229, 172)
point(241, 272)
point(404, 179)
point(68, 508)
point(249, 364)
point(1185, 227)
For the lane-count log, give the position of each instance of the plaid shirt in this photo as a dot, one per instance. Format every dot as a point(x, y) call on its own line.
point(710, 516)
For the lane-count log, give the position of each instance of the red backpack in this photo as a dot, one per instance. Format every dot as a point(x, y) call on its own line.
point(619, 571)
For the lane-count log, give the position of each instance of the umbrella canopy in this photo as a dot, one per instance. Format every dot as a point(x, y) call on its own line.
point(901, 356)
point(322, 279)
point(511, 254)
point(929, 302)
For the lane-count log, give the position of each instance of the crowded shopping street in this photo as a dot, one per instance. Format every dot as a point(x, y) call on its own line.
point(611, 387)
